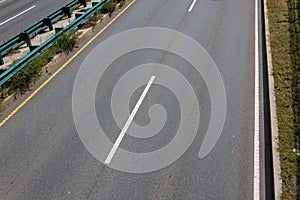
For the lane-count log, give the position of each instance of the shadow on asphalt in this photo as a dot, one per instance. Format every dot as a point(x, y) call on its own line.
point(269, 182)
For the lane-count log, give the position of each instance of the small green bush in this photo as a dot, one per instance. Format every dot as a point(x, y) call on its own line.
point(66, 42)
point(122, 3)
point(96, 17)
point(21, 82)
point(109, 7)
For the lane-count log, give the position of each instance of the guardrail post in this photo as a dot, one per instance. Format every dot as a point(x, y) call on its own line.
point(1, 60)
point(67, 11)
point(25, 37)
point(48, 23)
point(83, 2)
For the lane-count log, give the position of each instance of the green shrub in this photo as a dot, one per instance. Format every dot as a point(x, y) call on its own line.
point(66, 42)
point(109, 7)
point(96, 17)
point(122, 3)
point(21, 82)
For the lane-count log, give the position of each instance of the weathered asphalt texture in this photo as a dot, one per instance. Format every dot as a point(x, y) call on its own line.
point(42, 157)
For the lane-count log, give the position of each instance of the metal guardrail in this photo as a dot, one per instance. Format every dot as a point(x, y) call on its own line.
point(13, 70)
point(35, 29)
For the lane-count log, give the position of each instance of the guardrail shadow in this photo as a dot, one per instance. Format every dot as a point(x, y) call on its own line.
point(268, 155)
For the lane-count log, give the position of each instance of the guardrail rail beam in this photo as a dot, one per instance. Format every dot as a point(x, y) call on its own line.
point(38, 50)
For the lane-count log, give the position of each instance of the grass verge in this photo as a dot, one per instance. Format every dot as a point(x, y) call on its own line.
point(109, 7)
point(22, 81)
point(284, 30)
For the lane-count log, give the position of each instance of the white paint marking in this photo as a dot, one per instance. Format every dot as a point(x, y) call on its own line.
point(2, 1)
point(256, 181)
point(192, 6)
point(17, 15)
point(127, 124)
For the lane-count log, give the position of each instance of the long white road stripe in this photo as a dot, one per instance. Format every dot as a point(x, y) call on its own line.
point(2, 1)
point(17, 15)
point(127, 124)
point(192, 6)
point(256, 181)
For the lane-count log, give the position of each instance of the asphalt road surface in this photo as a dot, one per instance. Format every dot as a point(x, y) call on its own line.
point(42, 156)
point(16, 16)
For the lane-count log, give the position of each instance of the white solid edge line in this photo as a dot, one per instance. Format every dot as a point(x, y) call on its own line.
point(256, 181)
point(127, 124)
point(192, 6)
point(17, 15)
point(2, 1)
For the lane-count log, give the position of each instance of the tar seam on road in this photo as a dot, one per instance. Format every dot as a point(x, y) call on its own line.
point(256, 179)
point(192, 6)
point(64, 66)
point(17, 15)
point(128, 122)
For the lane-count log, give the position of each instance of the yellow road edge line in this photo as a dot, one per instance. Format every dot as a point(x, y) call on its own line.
point(64, 65)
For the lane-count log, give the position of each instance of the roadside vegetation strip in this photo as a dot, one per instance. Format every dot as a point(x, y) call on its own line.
point(110, 22)
point(65, 43)
point(22, 81)
point(37, 50)
point(284, 30)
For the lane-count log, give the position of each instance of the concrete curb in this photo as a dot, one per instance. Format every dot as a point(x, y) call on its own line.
point(273, 115)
